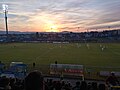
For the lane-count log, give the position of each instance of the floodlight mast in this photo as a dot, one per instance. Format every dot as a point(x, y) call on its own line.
point(5, 9)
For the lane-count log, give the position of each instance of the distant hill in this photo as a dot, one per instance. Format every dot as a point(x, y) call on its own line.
point(16, 32)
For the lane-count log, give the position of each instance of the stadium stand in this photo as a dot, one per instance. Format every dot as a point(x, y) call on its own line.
point(65, 37)
point(16, 78)
point(35, 81)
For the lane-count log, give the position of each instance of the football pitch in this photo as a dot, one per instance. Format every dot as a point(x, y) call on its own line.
point(91, 54)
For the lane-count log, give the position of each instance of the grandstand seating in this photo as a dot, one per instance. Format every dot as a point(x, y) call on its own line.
point(50, 84)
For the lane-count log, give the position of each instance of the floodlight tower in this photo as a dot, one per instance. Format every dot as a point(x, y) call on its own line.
point(5, 9)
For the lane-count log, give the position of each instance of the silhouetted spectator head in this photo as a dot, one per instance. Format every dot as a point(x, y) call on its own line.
point(4, 82)
point(34, 81)
point(101, 87)
point(83, 85)
point(94, 86)
point(77, 83)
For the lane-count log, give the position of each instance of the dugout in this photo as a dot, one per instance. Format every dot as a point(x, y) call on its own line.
point(19, 70)
point(8, 75)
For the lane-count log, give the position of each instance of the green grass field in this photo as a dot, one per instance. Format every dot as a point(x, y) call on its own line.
point(46, 53)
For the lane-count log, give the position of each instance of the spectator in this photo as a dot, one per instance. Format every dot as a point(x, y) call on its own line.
point(112, 80)
point(83, 86)
point(77, 87)
point(94, 86)
point(12, 83)
point(66, 87)
point(4, 83)
point(89, 86)
point(34, 81)
point(101, 87)
point(50, 84)
point(58, 85)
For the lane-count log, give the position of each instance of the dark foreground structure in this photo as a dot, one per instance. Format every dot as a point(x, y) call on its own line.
point(35, 81)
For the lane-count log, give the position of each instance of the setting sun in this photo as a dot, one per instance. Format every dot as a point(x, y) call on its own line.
point(54, 29)
point(51, 27)
point(44, 23)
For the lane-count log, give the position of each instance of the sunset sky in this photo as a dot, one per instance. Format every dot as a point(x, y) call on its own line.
point(60, 15)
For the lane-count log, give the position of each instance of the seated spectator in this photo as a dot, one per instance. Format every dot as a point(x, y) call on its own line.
point(83, 85)
point(77, 86)
point(34, 81)
point(94, 86)
point(57, 85)
point(4, 83)
point(112, 80)
point(12, 83)
point(89, 86)
point(66, 87)
point(101, 87)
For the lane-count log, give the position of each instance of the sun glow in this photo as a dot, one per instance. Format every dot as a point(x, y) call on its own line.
point(54, 29)
point(51, 27)
point(45, 23)
point(50, 24)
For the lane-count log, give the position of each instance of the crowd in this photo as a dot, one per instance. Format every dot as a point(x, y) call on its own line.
point(35, 81)
point(11, 83)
